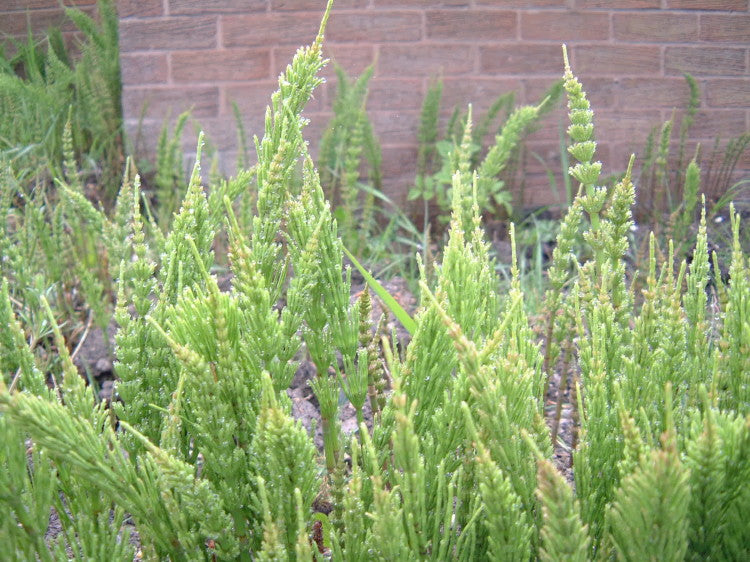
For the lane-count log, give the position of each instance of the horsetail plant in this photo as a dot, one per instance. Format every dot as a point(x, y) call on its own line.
point(200, 451)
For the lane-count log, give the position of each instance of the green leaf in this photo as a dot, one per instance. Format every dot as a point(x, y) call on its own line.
point(402, 316)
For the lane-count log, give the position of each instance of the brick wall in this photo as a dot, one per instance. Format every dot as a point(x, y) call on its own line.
point(205, 54)
point(17, 16)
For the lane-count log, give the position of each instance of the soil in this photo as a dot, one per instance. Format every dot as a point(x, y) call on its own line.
point(563, 446)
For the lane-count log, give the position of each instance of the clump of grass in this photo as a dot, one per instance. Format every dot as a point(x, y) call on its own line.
point(439, 157)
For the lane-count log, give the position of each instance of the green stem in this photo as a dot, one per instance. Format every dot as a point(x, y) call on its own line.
point(330, 443)
point(360, 418)
point(240, 525)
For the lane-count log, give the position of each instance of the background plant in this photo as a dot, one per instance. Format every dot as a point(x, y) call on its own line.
point(440, 156)
point(670, 178)
point(62, 126)
point(371, 224)
point(43, 85)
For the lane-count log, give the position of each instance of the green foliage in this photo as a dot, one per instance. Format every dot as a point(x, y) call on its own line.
point(350, 163)
point(652, 504)
point(42, 87)
point(284, 460)
point(427, 135)
point(563, 535)
point(201, 450)
point(461, 148)
point(733, 360)
point(395, 308)
point(347, 142)
point(668, 188)
point(170, 174)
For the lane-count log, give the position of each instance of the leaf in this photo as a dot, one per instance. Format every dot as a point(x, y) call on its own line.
point(402, 316)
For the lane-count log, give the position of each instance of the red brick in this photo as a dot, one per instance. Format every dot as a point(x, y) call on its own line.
point(620, 156)
point(221, 134)
point(320, 100)
point(618, 162)
point(17, 24)
point(269, 29)
point(139, 8)
point(397, 93)
point(471, 25)
point(601, 92)
point(228, 158)
point(743, 164)
point(230, 64)
point(168, 33)
point(537, 192)
point(616, 60)
point(215, 139)
point(72, 41)
point(421, 3)
point(619, 5)
point(159, 102)
point(631, 125)
point(226, 163)
point(564, 26)
point(550, 152)
point(317, 5)
point(473, 72)
point(653, 92)
point(146, 68)
point(724, 5)
point(395, 127)
point(704, 61)
point(725, 28)
point(728, 93)
point(354, 59)
point(395, 189)
point(425, 60)
point(655, 28)
point(480, 92)
point(26, 5)
point(200, 7)
point(142, 136)
point(374, 27)
point(534, 88)
point(523, 3)
point(399, 169)
point(251, 99)
point(712, 123)
point(527, 59)
point(319, 122)
point(549, 126)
